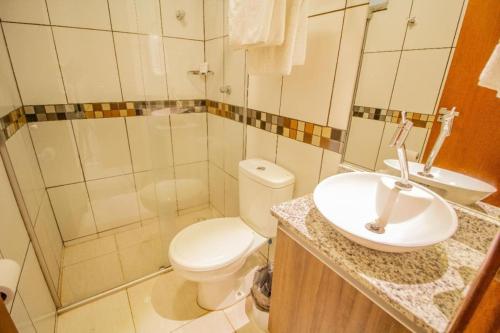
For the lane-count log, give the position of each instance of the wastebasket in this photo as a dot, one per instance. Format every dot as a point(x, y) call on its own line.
point(261, 294)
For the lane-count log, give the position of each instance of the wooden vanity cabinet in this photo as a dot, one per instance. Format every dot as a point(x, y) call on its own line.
point(309, 297)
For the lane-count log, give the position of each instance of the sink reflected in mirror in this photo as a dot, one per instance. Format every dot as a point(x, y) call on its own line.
point(451, 185)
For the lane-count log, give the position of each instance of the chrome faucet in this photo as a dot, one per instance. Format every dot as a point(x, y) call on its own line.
point(398, 141)
point(446, 118)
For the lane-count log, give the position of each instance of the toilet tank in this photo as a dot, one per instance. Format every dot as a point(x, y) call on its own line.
point(263, 184)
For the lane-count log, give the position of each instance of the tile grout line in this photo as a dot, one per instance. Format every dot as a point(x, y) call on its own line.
point(57, 53)
point(102, 30)
point(114, 49)
point(393, 85)
point(130, 309)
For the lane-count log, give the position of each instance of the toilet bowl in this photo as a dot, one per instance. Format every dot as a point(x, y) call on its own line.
point(213, 252)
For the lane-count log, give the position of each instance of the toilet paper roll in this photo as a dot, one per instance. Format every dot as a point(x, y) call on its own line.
point(9, 276)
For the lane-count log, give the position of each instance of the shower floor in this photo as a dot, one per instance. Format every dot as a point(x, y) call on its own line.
point(116, 257)
point(164, 303)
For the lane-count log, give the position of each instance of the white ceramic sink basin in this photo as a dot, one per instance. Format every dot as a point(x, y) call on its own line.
point(416, 218)
point(453, 186)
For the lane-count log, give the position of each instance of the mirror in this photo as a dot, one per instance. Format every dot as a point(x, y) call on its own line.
point(405, 66)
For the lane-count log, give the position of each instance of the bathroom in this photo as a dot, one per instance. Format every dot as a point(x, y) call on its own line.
point(159, 168)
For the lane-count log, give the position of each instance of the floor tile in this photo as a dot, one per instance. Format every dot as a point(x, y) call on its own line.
point(90, 277)
point(110, 314)
point(210, 323)
point(164, 303)
point(88, 250)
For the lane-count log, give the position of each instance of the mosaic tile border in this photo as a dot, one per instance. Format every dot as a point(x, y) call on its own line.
point(12, 122)
point(393, 116)
point(321, 136)
point(108, 110)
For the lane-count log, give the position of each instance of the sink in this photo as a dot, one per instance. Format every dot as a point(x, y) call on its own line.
point(416, 218)
point(453, 186)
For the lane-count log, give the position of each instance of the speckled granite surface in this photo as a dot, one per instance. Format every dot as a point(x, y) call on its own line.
point(425, 286)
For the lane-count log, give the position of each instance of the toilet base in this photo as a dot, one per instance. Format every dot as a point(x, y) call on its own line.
point(221, 294)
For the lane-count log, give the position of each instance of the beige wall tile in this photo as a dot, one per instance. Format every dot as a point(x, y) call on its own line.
point(329, 164)
point(233, 146)
point(39, 78)
point(321, 6)
point(153, 67)
point(376, 79)
point(419, 79)
point(192, 184)
point(136, 16)
point(13, 237)
point(129, 64)
point(183, 56)
point(9, 96)
point(114, 201)
point(28, 11)
point(191, 26)
point(24, 162)
point(103, 147)
point(214, 21)
point(264, 93)
point(150, 142)
point(216, 140)
point(234, 75)
point(214, 56)
point(386, 30)
point(261, 144)
point(49, 239)
point(56, 151)
point(363, 142)
point(303, 160)
point(189, 137)
point(436, 23)
point(36, 295)
point(231, 195)
point(75, 13)
point(20, 316)
point(307, 91)
point(347, 67)
point(216, 186)
point(88, 64)
point(72, 209)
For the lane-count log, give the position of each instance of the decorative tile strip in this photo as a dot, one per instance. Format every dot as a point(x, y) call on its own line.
point(36, 113)
point(226, 110)
point(321, 136)
point(12, 122)
point(393, 116)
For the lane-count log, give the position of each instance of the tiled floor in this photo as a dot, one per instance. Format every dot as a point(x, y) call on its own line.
point(114, 258)
point(166, 303)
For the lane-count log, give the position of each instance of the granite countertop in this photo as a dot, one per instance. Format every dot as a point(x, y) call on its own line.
point(424, 287)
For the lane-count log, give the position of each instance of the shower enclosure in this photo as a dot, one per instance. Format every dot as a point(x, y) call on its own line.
point(123, 142)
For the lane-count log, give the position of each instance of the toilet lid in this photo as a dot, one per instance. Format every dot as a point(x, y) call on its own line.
point(211, 244)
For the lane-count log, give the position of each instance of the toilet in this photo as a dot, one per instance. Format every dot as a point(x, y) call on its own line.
point(212, 252)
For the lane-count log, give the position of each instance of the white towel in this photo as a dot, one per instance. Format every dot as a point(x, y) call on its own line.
point(256, 23)
point(280, 59)
point(490, 76)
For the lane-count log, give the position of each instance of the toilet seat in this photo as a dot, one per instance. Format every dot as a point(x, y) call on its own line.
point(211, 244)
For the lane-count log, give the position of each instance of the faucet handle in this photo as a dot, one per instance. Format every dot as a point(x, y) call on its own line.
point(402, 131)
point(446, 118)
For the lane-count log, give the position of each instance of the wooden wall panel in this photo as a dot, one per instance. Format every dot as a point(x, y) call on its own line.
point(474, 145)
point(309, 297)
